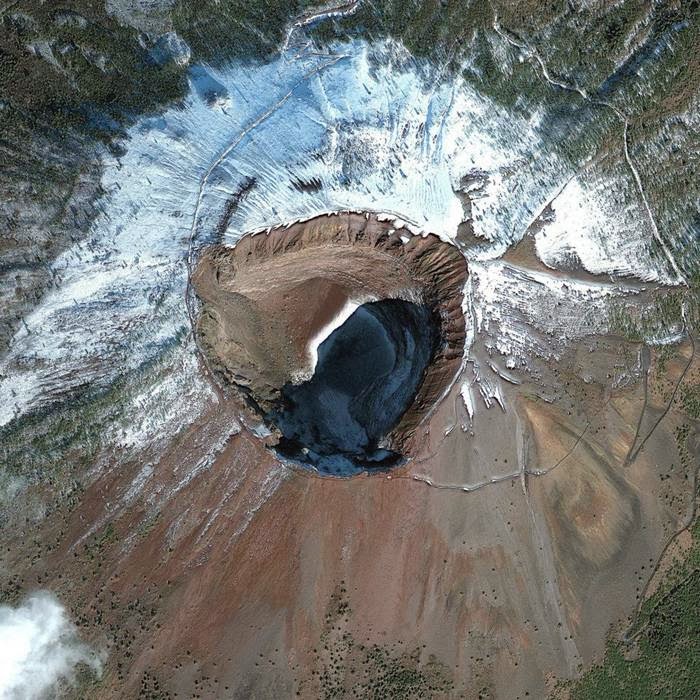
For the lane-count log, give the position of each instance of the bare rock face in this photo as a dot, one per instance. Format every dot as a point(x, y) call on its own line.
point(264, 301)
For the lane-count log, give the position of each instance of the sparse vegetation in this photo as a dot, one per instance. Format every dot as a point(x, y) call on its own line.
point(690, 398)
point(342, 667)
point(661, 318)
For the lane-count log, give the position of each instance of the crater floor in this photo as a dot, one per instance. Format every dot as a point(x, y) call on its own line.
point(367, 374)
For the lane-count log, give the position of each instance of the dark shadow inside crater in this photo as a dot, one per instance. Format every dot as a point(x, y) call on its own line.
point(367, 375)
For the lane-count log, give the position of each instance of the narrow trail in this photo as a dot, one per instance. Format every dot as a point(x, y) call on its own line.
point(521, 474)
point(636, 452)
point(531, 53)
point(645, 359)
point(629, 636)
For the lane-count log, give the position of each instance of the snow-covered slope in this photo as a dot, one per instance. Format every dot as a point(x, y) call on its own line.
point(358, 128)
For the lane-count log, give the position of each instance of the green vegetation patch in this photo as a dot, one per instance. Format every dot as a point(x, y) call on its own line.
point(218, 32)
point(74, 66)
point(666, 663)
point(690, 399)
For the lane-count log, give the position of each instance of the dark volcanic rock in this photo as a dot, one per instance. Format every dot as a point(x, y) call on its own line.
point(367, 375)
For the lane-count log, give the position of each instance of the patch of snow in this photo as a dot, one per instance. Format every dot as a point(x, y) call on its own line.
point(466, 394)
point(338, 320)
point(594, 229)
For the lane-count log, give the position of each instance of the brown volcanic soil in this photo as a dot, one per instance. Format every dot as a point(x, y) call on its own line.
point(235, 577)
point(266, 298)
point(228, 575)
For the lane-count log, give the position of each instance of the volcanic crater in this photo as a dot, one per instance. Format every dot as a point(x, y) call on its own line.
point(341, 333)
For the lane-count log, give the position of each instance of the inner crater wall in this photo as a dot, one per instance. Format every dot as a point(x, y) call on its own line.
point(263, 300)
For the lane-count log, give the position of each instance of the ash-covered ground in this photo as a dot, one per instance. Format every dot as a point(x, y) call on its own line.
point(538, 536)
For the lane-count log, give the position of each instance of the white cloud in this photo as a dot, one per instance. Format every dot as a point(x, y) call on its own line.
point(39, 646)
